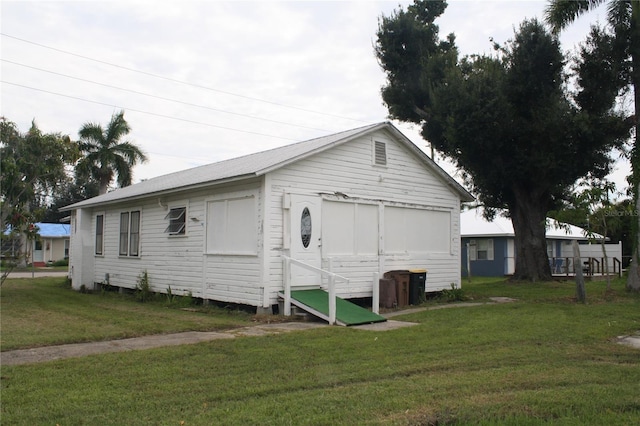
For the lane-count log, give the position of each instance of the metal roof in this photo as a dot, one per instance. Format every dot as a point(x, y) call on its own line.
point(473, 224)
point(54, 230)
point(257, 164)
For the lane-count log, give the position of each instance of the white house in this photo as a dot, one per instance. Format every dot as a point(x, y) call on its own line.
point(356, 203)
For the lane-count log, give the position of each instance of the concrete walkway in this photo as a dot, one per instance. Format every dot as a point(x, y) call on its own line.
point(74, 350)
point(37, 273)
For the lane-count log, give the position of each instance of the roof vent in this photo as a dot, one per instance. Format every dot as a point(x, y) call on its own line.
point(380, 153)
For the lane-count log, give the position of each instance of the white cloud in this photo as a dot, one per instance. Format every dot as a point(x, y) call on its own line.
point(309, 56)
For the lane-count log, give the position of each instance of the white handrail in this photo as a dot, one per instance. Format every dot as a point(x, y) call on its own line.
point(332, 285)
point(375, 293)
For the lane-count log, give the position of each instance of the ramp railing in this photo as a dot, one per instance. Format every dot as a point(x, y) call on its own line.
point(288, 261)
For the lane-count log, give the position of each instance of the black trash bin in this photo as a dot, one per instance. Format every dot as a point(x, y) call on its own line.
point(417, 286)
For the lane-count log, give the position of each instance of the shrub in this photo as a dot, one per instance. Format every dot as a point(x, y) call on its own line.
point(143, 288)
point(456, 294)
point(171, 298)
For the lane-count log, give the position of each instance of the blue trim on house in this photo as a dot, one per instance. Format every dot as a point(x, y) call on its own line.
point(487, 268)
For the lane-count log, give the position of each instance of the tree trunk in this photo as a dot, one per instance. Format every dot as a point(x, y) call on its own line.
point(633, 280)
point(103, 186)
point(528, 215)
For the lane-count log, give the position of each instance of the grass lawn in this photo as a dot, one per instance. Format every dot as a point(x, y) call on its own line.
point(542, 359)
point(45, 311)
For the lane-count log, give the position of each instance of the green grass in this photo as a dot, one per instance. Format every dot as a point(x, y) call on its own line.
point(542, 359)
point(45, 311)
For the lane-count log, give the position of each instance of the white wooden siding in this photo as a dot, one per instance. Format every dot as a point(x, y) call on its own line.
point(180, 261)
point(345, 174)
point(348, 170)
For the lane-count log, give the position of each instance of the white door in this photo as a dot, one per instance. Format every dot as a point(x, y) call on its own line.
point(38, 253)
point(306, 239)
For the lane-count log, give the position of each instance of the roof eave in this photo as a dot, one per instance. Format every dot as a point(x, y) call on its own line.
point(86, 204)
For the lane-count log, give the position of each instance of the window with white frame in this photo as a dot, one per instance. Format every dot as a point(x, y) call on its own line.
point(130, 233)
point(99, 234)
point(481, 249)
point(177, 221)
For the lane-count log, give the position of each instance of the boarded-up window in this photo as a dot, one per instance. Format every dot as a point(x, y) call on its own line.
point(232, 226)
point(416, 230)
point(349, 228)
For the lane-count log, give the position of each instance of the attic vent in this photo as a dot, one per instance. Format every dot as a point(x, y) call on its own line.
point(380, 153)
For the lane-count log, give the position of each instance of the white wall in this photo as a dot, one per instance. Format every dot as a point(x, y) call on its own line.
point(81, 265)
point(403, 183)
point(595, 251)
point(179, 261)
point(344, 173)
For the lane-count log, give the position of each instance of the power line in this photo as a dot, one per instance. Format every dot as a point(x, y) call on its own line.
point(145, 112)
point(180, 81)
point(161, 97)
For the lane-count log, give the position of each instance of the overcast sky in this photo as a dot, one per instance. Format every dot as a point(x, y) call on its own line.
point(204, 81)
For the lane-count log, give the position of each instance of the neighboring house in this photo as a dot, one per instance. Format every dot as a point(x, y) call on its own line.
point(489, 246)
point(53, 244)
point(356, 203)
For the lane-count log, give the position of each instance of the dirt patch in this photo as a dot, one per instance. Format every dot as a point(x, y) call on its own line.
point(632, 340)
point(502, 299)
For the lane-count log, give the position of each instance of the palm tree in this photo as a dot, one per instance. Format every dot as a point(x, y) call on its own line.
point(623, 17)
point(105, 155)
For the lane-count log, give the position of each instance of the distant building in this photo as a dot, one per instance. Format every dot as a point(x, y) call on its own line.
point(489, 245)
point(53, 244)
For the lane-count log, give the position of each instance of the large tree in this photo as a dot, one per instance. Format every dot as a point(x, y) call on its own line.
point(506, 120)
point(106, 155)
point(33, 164)
point(68, 193)
point(621, 50)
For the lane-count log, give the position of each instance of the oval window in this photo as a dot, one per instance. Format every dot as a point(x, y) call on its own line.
point(305, 227)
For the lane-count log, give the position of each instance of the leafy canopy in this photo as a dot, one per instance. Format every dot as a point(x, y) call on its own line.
point(33, 165)
point(507, 119)
point(106, 155)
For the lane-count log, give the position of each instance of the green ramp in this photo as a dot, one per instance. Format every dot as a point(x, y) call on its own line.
point(347, 313)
